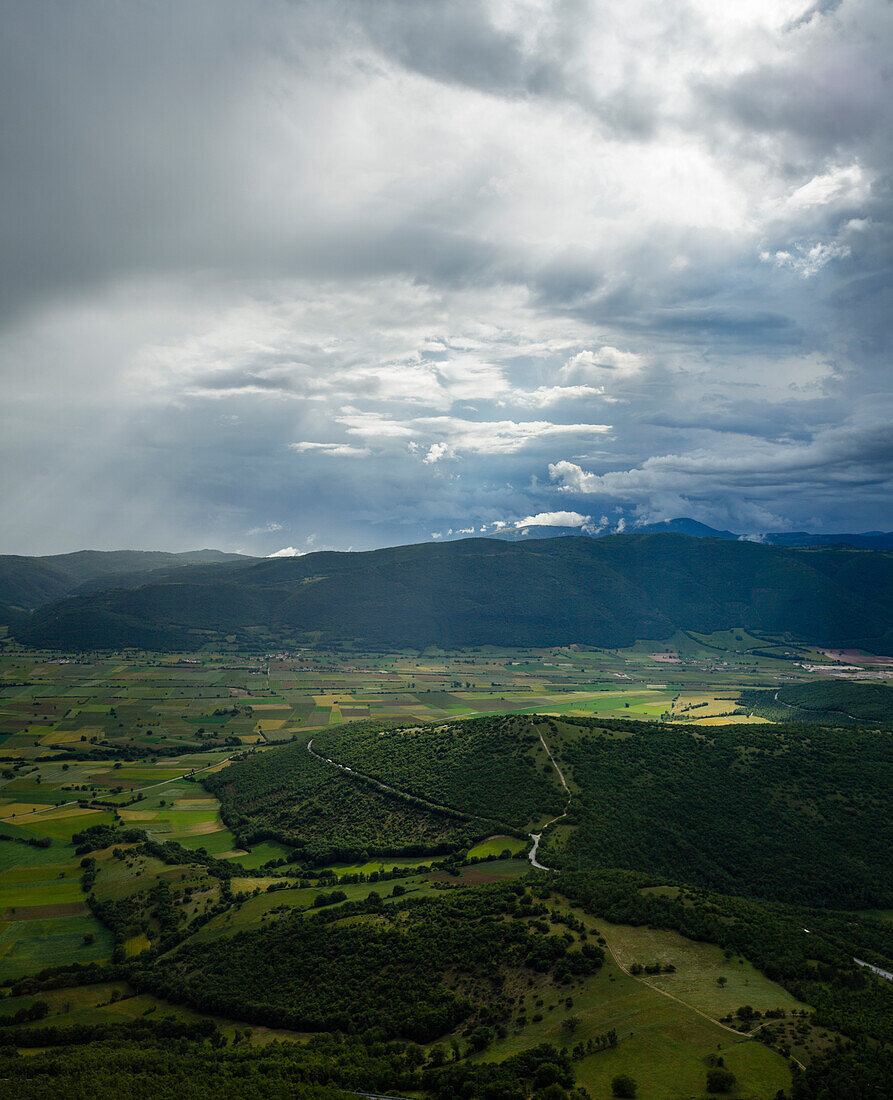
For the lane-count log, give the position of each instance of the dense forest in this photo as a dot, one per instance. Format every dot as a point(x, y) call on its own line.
point(760, 839)
point(384, 976)
point(836, 702)
point(329, 1067)
point(793, 812)
point(414, 969)
point(798, 813)
point(492, 767)
point(289, 795)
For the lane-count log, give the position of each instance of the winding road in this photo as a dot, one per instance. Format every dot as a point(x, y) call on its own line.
point(394, 790)
point(791, 707)
point(535, 837)
point(876, 970)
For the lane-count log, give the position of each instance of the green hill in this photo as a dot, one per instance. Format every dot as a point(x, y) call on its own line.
point(833, 702)
point(455, 784)
point(29, 582)
point(788, 812)
point(603, 592)
point(287, 794)
point(796, 813)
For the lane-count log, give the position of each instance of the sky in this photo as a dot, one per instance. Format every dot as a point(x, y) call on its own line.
point(285, 276)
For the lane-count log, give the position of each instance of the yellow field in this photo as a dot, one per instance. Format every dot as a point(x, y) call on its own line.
point(703, 707)
point(136, 944)
point(200, 828)
point(734, 720)
point(218, 767)
point(61, 737)
point(16, 809)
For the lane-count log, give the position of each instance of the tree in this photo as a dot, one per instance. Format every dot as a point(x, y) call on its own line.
point(547, 1073)
point(623, 1086)
point(720, 1079)
point(480, 1038)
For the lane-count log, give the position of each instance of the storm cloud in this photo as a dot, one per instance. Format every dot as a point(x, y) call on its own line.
point(290, 274)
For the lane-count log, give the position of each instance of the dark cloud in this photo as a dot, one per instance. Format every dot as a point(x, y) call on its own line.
point(347, 273)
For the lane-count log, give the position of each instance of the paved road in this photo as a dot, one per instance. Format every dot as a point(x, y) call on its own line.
point(537, 837)
point(874, 969)
point(396, 790)
point(377, 1096)
point(788, 705)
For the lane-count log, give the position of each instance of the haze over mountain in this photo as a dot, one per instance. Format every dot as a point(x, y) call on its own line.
point(556, 524)
point(606, 592)
point(26, 583)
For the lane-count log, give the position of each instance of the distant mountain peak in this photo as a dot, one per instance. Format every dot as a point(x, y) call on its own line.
point(684, 525)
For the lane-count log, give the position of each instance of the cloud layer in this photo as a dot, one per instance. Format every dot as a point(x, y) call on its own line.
point(352, 273)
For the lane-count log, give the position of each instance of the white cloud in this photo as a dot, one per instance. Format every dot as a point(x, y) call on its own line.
point(339, 450)
point(744, 474)
point(452, 434)
point(445, 232)
point(807, 261)
point(840, 184)
point(267, 528)
point(555, 519)
point(551, 395)
point(288, 552)
point(605, 363)
point(436, 452)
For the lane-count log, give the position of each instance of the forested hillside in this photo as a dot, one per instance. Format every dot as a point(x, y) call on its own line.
point(789, 812)
point(290, 795)
point(491, 767)
point(829, 701)
point(797, 813)
point(604, 592)
point(29, 582)
point(412, 970)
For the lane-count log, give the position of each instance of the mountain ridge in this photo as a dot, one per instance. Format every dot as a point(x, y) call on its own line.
point(605, 592)
point(683, 525)
point(28, 581)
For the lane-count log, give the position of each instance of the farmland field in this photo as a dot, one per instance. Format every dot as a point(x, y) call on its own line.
point(150, 805)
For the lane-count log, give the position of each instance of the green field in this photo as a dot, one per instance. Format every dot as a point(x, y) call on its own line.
point(126, 743)
point(703, 978)
point(495, 846)
point(27, 946)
